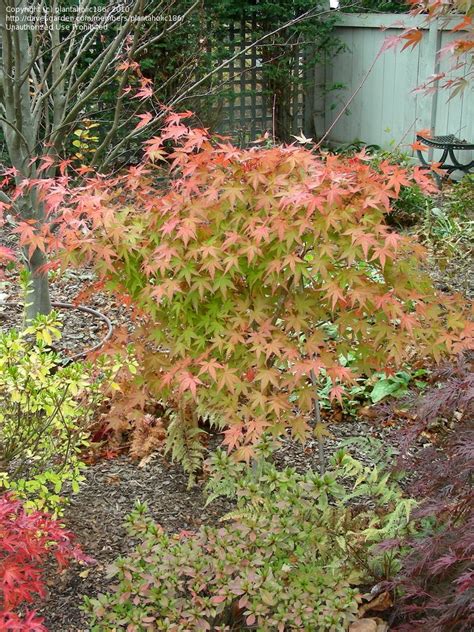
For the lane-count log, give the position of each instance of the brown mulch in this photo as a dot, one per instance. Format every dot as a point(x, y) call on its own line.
point(80, 331)
point(97, 515)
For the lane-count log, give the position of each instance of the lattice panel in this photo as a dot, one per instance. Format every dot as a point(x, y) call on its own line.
point(249, 111)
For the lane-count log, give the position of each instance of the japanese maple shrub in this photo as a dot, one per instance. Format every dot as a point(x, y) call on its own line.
point(27, 541)
point(256, 269)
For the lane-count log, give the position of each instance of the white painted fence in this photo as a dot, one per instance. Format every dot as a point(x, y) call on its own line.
point(386, 111)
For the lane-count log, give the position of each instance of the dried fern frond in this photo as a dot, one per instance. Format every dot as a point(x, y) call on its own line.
point(148, 436)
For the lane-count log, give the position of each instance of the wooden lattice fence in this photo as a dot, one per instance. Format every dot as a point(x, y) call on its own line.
point(248, 105)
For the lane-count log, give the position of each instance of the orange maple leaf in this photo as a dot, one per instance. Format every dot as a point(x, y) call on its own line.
point(144, 120)
point(233, 436)
point(188, 382)
point(461, 26)
point(336, 392)
point(417, 146)
point(412, 37)
point(426, 133)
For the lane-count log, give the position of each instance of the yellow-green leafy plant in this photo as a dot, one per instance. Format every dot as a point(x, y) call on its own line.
point(45, 410)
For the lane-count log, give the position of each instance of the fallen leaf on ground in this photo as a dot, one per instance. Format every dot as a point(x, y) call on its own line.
point(367, 411)
point(369, 625)
point(383, 601)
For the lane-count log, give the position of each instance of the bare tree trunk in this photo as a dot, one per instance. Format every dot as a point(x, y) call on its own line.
point(37, 299)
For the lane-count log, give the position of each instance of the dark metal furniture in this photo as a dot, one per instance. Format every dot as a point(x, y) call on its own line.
point(448, 144)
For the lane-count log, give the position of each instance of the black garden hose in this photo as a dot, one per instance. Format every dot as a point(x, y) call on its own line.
point(93, 312)
point(86, 310)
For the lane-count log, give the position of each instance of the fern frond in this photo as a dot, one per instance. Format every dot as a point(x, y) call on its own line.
point(214, 419)
point(183, 441)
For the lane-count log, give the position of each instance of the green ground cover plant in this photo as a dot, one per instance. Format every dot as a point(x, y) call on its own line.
point(290, 556)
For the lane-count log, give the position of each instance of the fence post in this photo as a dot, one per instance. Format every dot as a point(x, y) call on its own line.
point(316, 116)
point(429, 65)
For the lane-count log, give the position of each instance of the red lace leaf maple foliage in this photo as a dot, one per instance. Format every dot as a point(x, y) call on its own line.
point(254, 270)
point(27, 541)
point(436, 580)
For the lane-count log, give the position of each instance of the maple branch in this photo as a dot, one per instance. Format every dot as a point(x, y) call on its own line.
point(5, 198)
point(15, 129)
point(317, 423)
point(103, 62)
point(118, 106)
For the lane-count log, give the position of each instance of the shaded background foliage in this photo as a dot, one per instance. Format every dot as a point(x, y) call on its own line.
point(375, 6)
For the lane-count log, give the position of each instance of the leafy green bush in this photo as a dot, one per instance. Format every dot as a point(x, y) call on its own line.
point(410, 207)
point(395, 385)
point(375, 6)
point(45, 408)
point(368, 390)
point(289, 557)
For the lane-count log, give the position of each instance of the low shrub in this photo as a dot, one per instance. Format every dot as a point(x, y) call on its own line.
point(254, 271)
point(447, 226)
point(459, 198)
point(27, 541)
point(447, 232)
point(436, 581)
point(369, 390)
point(290, 556)
point(45, 410)
point(410, 207)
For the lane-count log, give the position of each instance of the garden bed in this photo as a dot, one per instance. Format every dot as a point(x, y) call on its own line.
point(97, 513)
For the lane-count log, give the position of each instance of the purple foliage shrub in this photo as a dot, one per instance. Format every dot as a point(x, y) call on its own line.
point(436, 582)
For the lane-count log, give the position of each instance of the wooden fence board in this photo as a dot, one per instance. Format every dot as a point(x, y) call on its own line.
point(386, 111)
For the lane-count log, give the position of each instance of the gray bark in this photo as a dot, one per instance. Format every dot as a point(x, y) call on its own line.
point(37, 299)
point(42, 98)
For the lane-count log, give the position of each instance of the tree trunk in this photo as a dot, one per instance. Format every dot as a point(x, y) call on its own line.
point(37, 300)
